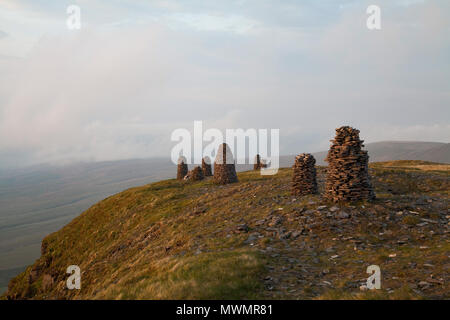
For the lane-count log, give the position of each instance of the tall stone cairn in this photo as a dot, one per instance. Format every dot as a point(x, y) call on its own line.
point(182, 168)
point(206, 167)
point(348, 173)
point(224, 169)
point(304, 178)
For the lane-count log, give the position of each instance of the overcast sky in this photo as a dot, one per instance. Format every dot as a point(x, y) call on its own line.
point(137, 70)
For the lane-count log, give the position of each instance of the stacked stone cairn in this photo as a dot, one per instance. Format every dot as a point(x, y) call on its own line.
point(195, 174)
point(224, 168)
point(259, 163)
point(182, 169)
point(304, 178)
point(348, 174)
point(206, 167)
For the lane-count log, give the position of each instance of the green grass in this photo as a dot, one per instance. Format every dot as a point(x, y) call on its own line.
point(224, 275)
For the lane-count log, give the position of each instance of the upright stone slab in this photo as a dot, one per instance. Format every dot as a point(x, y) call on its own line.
point(347, 173)
point(206, 167)
point(304, 176)
point(224, 168)
point(182, 169)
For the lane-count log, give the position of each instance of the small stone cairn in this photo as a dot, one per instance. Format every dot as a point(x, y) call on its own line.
point(259, 163)
point(224, 168)
point(348, 174)
point(195, 174)
point(304, 178)
point(206, 167)
point(182, 169)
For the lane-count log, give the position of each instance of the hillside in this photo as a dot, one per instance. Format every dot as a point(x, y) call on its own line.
point(252, 239)
point(38, 200)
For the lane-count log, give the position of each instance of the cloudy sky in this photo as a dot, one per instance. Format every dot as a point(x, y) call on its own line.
point(137, 70)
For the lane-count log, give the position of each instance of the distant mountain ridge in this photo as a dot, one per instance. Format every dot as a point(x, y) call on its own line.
point(393, 150)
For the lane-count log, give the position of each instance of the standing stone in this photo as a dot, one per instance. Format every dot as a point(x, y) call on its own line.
point(224, 169)
point(348, 173)
point(304, 177)
point(182, 168)
point(206, 167)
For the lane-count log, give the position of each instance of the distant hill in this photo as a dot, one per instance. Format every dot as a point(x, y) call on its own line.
point(393, 150)
point(440, 153)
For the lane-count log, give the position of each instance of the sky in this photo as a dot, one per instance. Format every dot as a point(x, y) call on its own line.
point(137, 70)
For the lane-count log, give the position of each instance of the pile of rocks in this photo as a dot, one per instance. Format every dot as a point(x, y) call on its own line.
point(206, 167)
point(348, 174)
point(195, 174)
point(259, 163)
point(182, 168)
point(224, 168)
point(304, 178)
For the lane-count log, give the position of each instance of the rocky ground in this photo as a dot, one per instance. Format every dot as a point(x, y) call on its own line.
point(320, 249)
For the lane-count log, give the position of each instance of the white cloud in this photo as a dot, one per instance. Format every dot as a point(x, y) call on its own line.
point(118, 93)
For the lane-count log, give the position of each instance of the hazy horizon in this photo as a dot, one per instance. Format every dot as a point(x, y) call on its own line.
point(69, 163)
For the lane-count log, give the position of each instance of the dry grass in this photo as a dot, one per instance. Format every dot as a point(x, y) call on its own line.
point(206, 276)
point(414, 164)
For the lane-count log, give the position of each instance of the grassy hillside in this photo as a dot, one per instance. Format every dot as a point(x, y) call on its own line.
point(39, 200)
point(253, 239)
